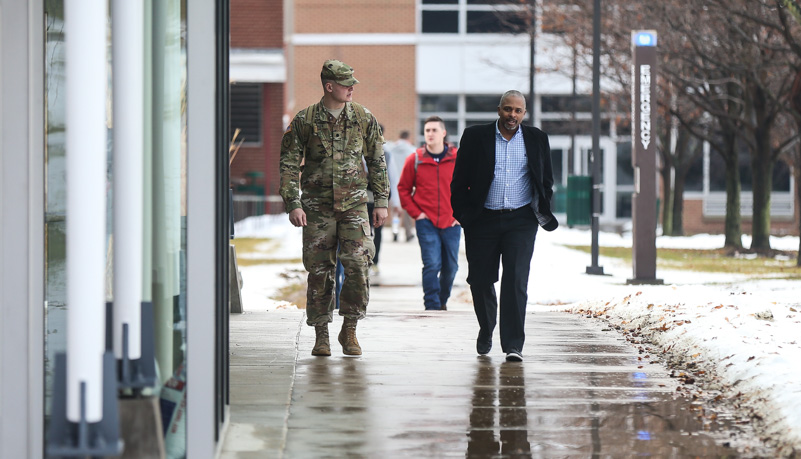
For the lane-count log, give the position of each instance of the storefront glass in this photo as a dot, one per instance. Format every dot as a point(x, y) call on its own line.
point(164, 201)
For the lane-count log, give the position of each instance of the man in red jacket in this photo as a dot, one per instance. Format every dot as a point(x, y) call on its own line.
point(425, 193)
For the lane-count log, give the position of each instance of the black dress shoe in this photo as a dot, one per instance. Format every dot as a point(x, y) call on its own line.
point(483, 345)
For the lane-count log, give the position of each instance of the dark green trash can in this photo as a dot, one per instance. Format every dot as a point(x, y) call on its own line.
point(559, 204)
point(579, 200)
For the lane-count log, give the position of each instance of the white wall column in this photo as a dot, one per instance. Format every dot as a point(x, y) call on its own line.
point(200, 228)
point(21, 228)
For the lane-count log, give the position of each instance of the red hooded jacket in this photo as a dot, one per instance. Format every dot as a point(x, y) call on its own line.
point(429, 188)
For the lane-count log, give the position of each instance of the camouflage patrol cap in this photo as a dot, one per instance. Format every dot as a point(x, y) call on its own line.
point(338, 71)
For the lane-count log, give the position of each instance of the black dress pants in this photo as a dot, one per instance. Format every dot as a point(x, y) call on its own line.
point(376, 232)
point(495, 238)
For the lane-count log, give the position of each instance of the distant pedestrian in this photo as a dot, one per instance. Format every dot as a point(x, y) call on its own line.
point(501, 191)
point(425, 193)
point(330, 138)
point(377, 234)
point(400, 150)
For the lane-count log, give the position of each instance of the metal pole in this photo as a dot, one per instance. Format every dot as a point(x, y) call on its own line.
point(595, 155)
point(532, 70)
point(571, 158)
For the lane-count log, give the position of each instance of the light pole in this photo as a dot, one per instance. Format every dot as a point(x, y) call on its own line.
point(595, 155)
point(532, 69)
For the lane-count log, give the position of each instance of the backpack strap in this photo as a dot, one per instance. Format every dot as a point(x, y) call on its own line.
point(416, 162)
point(361, 115)
point(358, 109)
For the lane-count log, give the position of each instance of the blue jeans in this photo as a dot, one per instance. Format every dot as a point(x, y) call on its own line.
point(339, 278)
point(440, 251)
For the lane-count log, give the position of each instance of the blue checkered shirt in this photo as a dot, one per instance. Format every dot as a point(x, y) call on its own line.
point(511, 186)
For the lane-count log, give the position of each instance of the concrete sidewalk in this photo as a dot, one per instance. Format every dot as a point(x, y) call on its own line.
point(420, 390)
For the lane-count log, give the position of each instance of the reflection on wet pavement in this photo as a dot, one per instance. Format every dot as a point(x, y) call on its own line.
point(420, 391)
point(510, 396)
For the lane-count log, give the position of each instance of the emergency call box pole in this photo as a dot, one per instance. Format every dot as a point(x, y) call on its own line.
point(643, 157)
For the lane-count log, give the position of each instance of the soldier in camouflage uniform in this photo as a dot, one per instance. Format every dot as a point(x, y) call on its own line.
point(324, 187)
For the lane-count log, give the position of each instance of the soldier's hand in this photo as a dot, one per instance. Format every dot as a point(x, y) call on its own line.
point(379, 216)
point(297, 217)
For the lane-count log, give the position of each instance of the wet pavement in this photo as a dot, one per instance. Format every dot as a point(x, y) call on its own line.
point(421, 391)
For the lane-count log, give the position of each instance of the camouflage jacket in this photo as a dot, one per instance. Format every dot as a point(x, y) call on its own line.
point(323, 159)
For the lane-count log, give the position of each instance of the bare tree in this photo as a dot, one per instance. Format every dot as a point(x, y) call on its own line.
point(790, 32)
point(727, 68)
point(676, 151)
point(763, 67)
point(692, 54)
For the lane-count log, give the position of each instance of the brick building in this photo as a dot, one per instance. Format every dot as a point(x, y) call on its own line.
point(451, 58)
point(258, 78)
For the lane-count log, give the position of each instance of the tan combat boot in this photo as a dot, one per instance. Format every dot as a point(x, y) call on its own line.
point(347, 338)
point(321, 345)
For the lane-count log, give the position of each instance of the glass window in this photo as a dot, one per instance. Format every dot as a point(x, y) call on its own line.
point(623, 205)
point(489, 2)
point(625, 171)
point(694, 180)
point(549, 104)
point(717, 171)
point(481, 103)
point(565, 127)
point(565, 104)
point(55, 197)
point(623, 126)
point(495, 22)
point(440, 21)
point(164, 269)
point(246, 107)
point(781, 177)
point(474, 122)
point(744, 163)
point(557, 156)
point(439, 104)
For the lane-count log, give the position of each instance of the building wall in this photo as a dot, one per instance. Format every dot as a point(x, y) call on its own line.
point(273, 129)
point(257, 24)
point(263, 157)
point(384, 68)
point(386, 81)
point(354, 16)
point(395, 63)
point(696, 223)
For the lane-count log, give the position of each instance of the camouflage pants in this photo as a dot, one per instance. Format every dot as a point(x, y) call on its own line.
point(325, 231)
